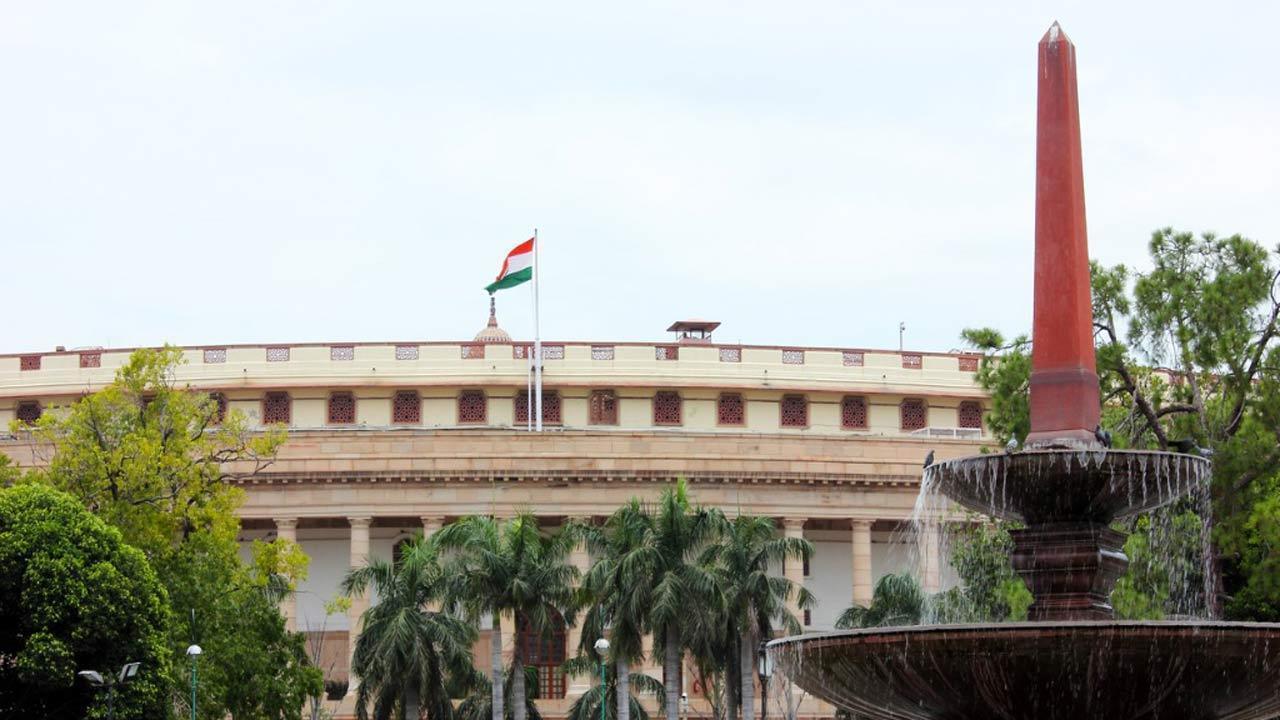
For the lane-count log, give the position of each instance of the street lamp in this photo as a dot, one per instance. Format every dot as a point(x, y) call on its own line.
point(602, 646)
point(766, 672)
point(194, 652)
point(95, 678)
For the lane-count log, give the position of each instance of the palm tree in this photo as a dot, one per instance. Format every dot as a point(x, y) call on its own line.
point(896, 600)
point(679, 582)
point(753, 599)
point(510, 568)
point(478, 704)
point(407, 653)
point(587, 707)
point(617, 592)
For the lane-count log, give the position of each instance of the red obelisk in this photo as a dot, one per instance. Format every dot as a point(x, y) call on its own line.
point(1064, 378)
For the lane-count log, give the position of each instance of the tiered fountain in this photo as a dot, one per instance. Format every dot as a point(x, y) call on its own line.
point(1072, 660)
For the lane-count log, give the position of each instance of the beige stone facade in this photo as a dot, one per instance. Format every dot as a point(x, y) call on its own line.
point(828, 441)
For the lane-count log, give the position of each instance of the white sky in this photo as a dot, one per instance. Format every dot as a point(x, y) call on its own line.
point(805, 172)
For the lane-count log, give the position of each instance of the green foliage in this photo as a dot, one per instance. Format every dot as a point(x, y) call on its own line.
point(74, 597)
point(408, 653)
point(896, 600)
point(587, 707)
point(989, 590)
point(478, 704)
point(1004, 372)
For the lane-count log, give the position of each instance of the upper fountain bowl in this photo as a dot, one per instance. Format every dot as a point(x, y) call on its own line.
point(1048, 486)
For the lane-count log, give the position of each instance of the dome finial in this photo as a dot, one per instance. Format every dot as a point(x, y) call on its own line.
point(491, 332)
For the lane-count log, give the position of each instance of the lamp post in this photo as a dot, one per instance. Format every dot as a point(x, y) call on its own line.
point(194, 652)
point(96, 679)
point(766, 672)
point(602, 646)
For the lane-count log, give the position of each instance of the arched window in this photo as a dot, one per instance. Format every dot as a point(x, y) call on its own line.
point(546, 652)
point(397, 550)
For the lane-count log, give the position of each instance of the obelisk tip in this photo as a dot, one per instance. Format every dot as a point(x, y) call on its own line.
point(1055, 35)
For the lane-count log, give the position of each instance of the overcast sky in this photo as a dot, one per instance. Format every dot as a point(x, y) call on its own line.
point(805, 172)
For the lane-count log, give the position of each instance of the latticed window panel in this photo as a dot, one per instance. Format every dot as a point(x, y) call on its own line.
point(219, 407)
point(552, 352)
point(601, 352)
point(914, 414)
point(794, 411)
point(473, 408)
point(342, 408)
point(29, 411)
point(732, 354)
point(521, 352)
point(853, 413)
point(406, 352)
point(666, 352)
point(29, 362)
point(968, 364)
point(473, 351)
point(853, 358)
point(342, 353)
point(731, 409)
point(792, 357)
point(276, 408)
point(970, 413)
point(667, 408)
point(213, 356)
point(406, 408)
point(277, 354)
point(550, 407)
point(603, 407)
point(91, 360)
point(912, 361)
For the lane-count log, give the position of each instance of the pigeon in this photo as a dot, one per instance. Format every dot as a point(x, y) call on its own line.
point(1185, 445)
point(1012, 446)
point(928, 459)
point(1103, 436)
point(1206, 453)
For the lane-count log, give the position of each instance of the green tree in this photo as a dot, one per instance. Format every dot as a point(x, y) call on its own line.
point(989, 590)
point(74, 596)
point(753, 598)
point(408, 653)
point(587, 707)
point(510, 568)
point(478, 703)
point(896, 600)
point(1186, 351)
point(154, 459)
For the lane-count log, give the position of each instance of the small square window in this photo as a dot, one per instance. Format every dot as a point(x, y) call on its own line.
point(912, 361)
point(792, 357)
point(601, 352)
point(552, 352)
point(276, 408)
point(853, 358)
point(406, 352)
point(473, 407)
point(473, 351)
point(406, 407)
point(667, 408)
point(550, 407)
point(604, 407)
point(90, 359)
point(29, 362)
point(666, 352)
point(213, 356)
point(794, 411)
point(730, 354)
point(342, 408)
point(968, 363)
point(731, 410)
point(521, 352)
point(970, 414)
point(29, 412)
point(277, 354)
point(853, 413)
point(342, 353)
point(914, 414)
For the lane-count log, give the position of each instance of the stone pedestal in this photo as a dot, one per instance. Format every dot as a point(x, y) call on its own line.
point(1070, 568)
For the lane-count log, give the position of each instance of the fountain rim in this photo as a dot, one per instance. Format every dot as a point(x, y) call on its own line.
point(1011, 628)
point(1056, 452)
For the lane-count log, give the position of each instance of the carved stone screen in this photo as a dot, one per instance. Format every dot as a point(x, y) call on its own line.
point(914, 414)
point(794, 411)
point(853, 413)
point(406, 408)
point(666, 408)
point(342, 408)
point(731, 410)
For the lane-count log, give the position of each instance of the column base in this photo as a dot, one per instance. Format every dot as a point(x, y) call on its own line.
point(1070, 569)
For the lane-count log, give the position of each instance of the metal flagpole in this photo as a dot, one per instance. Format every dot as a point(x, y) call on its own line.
point(537, 335)
point(528, 394)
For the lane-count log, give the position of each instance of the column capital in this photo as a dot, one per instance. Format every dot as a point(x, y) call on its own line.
point(285, 523)
point(792, 524)
point(862, 523)
point(360, 521)
point(431, 523)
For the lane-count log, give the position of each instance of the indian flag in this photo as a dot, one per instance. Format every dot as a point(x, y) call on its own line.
point(516, 269)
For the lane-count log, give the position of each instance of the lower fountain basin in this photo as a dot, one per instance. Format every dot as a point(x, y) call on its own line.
point(1046, 486)
point(1043, 671)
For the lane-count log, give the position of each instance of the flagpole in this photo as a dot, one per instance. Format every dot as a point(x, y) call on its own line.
point(537, 334)
point(528, 394)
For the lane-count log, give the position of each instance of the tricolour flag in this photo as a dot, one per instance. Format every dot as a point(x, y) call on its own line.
point(516, 269)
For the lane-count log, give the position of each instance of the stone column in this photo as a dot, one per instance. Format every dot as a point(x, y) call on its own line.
point(862, 578)
point(431, 524)
point(287, 529)
point(359, 558)
point(793, 569)
point(579, 685)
